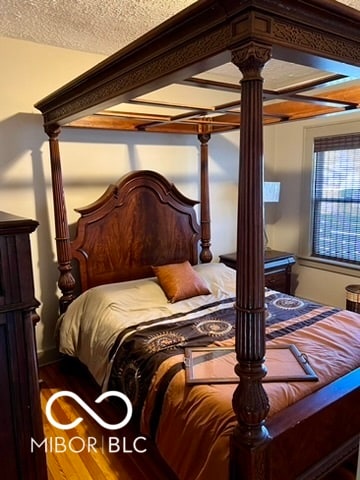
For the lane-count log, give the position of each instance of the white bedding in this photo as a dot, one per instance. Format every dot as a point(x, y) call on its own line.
point(93, 321)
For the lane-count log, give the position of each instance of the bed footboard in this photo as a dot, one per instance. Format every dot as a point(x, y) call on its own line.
point(308, 439)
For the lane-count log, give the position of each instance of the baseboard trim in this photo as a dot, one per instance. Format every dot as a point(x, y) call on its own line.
point(50, 355)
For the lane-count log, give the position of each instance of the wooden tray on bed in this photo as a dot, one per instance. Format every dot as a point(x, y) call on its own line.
point(216, 365)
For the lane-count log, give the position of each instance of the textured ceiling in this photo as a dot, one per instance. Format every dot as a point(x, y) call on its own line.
point(97, 26)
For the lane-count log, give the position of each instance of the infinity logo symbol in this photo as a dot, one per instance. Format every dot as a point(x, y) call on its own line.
point(90, 411)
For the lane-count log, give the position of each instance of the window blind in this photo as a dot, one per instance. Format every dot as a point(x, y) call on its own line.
point(336, 198)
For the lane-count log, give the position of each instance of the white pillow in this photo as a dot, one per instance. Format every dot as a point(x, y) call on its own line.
point(217, 276)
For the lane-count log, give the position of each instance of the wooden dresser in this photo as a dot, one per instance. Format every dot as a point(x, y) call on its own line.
point(20, 412)
point(277, 268)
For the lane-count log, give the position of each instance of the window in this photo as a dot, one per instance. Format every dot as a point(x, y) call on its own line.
point(336, 198)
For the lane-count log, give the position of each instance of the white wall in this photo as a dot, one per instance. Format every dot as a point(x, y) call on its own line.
point(91, 160)
point(283, 153)
point(286, 158)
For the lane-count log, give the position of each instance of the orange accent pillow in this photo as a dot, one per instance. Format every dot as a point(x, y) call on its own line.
point(180, 281)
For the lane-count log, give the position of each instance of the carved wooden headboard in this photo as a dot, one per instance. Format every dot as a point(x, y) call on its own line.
point(140, 221)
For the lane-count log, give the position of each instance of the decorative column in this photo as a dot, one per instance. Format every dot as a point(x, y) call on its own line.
point(66, 280)
point(250, 401)
point(205, 254)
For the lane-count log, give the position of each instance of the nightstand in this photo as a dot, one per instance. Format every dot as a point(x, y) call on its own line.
point(277, 268)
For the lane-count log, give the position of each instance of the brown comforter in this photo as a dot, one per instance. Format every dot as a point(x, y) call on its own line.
point(191, 424)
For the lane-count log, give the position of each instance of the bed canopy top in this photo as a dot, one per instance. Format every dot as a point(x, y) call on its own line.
point(202, 72)
point(183, 76)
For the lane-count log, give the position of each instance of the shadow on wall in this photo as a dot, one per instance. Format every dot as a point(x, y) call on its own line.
point(23, 136)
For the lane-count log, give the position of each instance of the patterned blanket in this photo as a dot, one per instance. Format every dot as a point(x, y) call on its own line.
point(139, 351)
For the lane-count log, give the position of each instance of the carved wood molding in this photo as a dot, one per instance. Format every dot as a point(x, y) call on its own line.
point(316, 42)
point(250, 59)
point(127, 80)
point(298, 32)
point(203, 39)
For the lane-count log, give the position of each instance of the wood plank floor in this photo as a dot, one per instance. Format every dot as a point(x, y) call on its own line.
point(83, 453)
point(97, 462)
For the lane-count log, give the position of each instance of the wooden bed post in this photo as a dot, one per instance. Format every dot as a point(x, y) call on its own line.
point(250, 401)
point(66, 280)
point(205, 254)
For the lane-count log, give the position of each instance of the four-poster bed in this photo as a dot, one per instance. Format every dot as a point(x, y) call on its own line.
point(301, 441)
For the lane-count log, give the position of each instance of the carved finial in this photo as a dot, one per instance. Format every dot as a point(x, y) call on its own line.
point(204, 138)
point(52, 131)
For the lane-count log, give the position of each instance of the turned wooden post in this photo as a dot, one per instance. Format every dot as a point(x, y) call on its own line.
point(66, 280)
point(250, 401)
point(205, 254)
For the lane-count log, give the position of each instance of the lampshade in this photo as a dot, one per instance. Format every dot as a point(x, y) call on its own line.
point(271, 192)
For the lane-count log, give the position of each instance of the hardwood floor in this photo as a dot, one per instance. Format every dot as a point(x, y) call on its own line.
point(83, 453)
point(88, 451)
